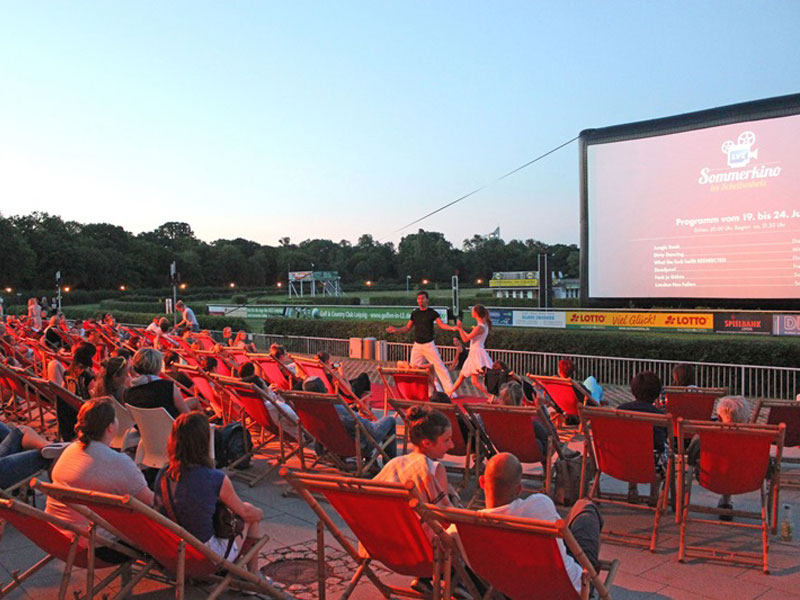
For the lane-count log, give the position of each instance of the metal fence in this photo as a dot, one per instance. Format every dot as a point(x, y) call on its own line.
point(751, 381)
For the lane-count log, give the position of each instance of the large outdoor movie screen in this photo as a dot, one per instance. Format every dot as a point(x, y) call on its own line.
point(709, 213)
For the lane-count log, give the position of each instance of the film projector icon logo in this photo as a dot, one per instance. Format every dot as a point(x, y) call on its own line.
point(740, 153)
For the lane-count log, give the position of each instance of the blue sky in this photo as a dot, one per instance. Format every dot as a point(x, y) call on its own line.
point(333, 119)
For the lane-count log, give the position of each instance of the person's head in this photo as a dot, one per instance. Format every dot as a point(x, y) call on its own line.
point(170, 359)
point(277, 351)
point(53, 320)
point(82, 355)
point(566, 368)
point(324, 357)
point(733, 409)
point(501, 479)
point(314, 384)
point(163, 324)
point(682, 375)
point(156, 320)
point(179, 305)
point(458, 344)
point(479, 311)
point(646, 386)
point(115, 371)
point(147, 361)
point(248, 369)
point(430, 431)
point(422, 299)
point(188, 444)
point(209, 364)
point(227, 332)
point(510, 394)
point(241, 336)
point(97, 421)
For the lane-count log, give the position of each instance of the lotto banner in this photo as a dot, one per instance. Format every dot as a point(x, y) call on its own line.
point(639, 320)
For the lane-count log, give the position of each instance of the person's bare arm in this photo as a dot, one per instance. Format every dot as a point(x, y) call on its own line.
point(145, 495)
point(177, 399)
point(445, 326)
point(404, 329)
point(250, 513)
point(475, 331)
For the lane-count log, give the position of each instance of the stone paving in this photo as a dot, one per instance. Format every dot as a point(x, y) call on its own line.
point(291, 525)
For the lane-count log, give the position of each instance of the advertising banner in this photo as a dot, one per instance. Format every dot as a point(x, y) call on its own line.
point(502, 317)
point(786, 325)
point(741, 322)
point(529, 318)
point(639, 320)
point(305, 311)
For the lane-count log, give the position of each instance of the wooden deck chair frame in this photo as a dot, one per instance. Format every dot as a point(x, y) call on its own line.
point(155, 535)
point(287, 378)
point(553, 445)
point(466, 447)
point(42, 393)
point(590, 452)
point(769, 495)
point(792, 437)
point(18, 382)
point(703, 397)
point(363, 464)
point(444, 558)
point(334, 382)
point(392, 391)
point(535, 529)
point(60, 539)
point(218, 402)
point(582, 395)
point(269, 430)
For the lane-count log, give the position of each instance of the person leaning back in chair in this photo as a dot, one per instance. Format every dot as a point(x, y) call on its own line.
point(424, 350)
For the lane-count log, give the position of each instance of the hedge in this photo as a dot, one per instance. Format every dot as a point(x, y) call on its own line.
point(717, 348)
point(212, 322)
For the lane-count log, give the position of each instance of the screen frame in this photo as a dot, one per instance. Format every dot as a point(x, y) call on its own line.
point(757, 110)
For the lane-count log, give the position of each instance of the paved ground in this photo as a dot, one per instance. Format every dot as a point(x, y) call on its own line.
point(291, 526)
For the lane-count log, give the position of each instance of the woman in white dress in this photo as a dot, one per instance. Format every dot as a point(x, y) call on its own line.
point(478, 358)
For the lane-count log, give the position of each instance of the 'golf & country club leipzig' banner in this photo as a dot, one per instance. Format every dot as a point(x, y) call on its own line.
point(300, 311)
point(640, 320)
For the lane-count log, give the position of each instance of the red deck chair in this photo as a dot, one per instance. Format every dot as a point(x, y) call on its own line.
point(225, 364)
point(334, 383)
point(734, 459)
point(179, 553)
point(60, 540)
point(272, 371)
point(406, 384)
point(788, 412)
point(205, 340)
point(237, 355)
point(462, 446)
point(510, 429)
point(620, 443)
point(20, 383)
point(566, 394)
point(691, 403)
point(208, 390)
point(521, 558)
point(318, 416)
point(384, 518)
point(252, 401)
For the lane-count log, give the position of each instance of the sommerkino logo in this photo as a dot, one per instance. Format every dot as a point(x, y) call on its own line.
point(739, 155)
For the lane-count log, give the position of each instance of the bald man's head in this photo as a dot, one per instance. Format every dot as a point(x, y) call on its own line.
point(502, 479)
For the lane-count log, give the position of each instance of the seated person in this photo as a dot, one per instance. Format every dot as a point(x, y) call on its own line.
point(189, 488)
point(511, 395)
point(460, 355)
point(148, 390)
point(646, 388)
point(209, 364)
point(284, 415)
point(77, 378)
point(683, 375)
point(89, 463)
point(114, 379)
point(380, 429)
point(171, 360)
point(730, 409)
point(240, 341)
point(502, 484)
point(22, 453)
point(360, 385)
point(278, 352)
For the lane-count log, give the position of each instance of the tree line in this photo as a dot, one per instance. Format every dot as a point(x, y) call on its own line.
point(102, 256)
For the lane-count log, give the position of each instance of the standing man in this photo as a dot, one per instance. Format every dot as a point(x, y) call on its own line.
point(189, 320)
point(424, 350)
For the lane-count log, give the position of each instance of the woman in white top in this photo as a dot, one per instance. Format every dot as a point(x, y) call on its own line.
point(477, 359)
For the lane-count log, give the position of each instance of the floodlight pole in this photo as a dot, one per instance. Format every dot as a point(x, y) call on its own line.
point(173, 274)
point(408, 279)
point(58, 284)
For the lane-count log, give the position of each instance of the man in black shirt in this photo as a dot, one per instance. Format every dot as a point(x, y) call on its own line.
point(424, 350)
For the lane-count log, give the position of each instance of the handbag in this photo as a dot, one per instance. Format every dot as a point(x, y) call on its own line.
point(227, 524)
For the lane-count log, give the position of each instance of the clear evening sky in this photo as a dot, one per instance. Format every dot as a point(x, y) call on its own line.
point(332, 119)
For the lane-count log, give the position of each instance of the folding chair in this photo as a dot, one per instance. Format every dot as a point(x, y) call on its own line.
point(510, 429)
point(125, 423)
point(386, 520)
point(691, 403)
point(16, 380)
point(155, 425)
point(61, 540)
point(209, 391)
point(462, 446)
point(566, 394)
point(407, 384)
point(734, 459)
point(318, 415)
point(253, 402)
point(787, 412)
point(620, 443)
point(334, 383)
point(521, 558)
point(272, 371)
point(181, 555)
point(39, 395)
point(225, 365)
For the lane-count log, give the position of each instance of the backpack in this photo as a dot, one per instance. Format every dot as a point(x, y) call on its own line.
point(566, 478)
point(231, 443)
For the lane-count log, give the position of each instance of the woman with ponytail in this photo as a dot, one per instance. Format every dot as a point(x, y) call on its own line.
point(477, 359)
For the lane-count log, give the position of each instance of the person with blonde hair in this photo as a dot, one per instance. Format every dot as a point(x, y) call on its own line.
point(148, 390)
